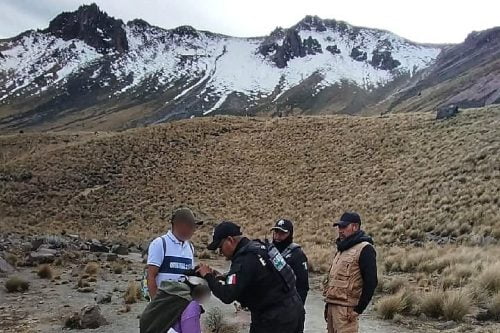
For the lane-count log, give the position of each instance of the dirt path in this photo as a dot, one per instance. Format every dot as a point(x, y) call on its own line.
point(44, 307)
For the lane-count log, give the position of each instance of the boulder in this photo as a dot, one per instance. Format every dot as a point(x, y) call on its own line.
point(111, 257)
point(120, 249)
point(42, 256)
point(97, 246)
point(103, 299)
point(36, 243)
point(447, 112)
point(5, 267)
point(89, 317)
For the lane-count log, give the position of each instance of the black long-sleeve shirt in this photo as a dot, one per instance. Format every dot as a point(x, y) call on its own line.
point(368, 268)
point(298, 262)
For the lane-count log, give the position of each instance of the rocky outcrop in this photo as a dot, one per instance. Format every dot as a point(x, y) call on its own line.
point(186, 30)
point(333, 49)
point(358, 55)
point(446, 112)
point(93, 26)
point(383, 60)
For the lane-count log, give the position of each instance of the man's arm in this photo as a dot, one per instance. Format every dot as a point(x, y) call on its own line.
point(237, 280)
point(368, 268)
point(155, 259)
point(299, 266)
point(152, 287)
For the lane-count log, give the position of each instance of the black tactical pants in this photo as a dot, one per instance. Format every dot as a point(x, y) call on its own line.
point(286, 317)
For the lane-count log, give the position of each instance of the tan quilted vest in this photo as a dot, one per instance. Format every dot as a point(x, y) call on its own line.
point(344, 282)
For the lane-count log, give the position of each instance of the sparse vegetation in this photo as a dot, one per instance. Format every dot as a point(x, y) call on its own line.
point(494, 307)
point(133, 293)
point(431, 303)
point(400, 303)
point(16, 284)
point(92, 268)
point(215, 322)
point(45, 272)
point(456, 305)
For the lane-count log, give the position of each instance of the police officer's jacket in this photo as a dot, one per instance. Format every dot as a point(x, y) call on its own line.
point(251, 281)
point(297, 260)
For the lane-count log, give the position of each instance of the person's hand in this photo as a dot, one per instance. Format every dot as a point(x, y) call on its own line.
point(203, 270)
point(352, 315)
point(326, 312)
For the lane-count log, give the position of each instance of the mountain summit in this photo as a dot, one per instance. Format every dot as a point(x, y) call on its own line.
point(90, 70)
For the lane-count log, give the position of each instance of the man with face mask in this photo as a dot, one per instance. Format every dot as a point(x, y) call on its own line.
point(353, 276)
point(263, 284)
point(293, 254)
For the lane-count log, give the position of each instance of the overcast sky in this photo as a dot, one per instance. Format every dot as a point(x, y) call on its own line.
point(432, 21)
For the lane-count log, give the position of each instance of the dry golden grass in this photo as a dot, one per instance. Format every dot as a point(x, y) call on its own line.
point(494, 306)
point(431, 303)
point(411, 178)
point(456, 305)
point(133, 293)
point(92, 268)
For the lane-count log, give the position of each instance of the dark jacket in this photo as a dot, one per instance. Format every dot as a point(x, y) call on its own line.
point(296, 258)
point(250, 281)
point(166, 308)
point(367, 266)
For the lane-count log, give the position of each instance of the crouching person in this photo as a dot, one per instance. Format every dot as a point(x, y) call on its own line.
point(176, 307)
point(353, 276)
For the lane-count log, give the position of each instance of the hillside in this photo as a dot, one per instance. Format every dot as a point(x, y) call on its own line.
point(413, 179)
point(90, 71)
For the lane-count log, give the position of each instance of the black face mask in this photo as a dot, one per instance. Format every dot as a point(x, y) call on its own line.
point(281, 246)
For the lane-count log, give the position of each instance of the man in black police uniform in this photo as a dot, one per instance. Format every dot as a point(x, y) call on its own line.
point(293, 254)
point(255, 282)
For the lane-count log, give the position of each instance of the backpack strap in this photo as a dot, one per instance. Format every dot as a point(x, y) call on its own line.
point(164, 242)
point(289, 249)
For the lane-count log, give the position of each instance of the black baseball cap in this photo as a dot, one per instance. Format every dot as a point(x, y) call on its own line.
point(283, 225)
point(348, 218)
point(223, 230)
point(185, 214)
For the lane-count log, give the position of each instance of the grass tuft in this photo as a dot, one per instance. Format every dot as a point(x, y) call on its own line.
point(45, 272)
point(16, 284)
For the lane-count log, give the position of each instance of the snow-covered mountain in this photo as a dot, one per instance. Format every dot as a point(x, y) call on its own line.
point(89, 68)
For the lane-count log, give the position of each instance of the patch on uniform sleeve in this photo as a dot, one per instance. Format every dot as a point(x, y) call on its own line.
point(231, 279)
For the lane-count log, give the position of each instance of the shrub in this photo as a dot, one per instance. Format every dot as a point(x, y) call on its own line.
point(215, 323)
point(489, 279)
point(388, 306)
point(395, 285)
point(133, 293)
point(494, 307)
point(402, 302)
point(16, 284)
point(92, 268)
point(45, 272)
point(431, 303)
point(456, 305)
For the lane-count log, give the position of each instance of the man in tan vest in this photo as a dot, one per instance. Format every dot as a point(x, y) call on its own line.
point(353, 276)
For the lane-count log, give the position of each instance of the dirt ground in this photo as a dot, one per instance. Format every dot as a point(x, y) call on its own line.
point(45, 306)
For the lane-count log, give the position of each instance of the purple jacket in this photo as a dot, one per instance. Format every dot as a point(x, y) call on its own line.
point(190, 319)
